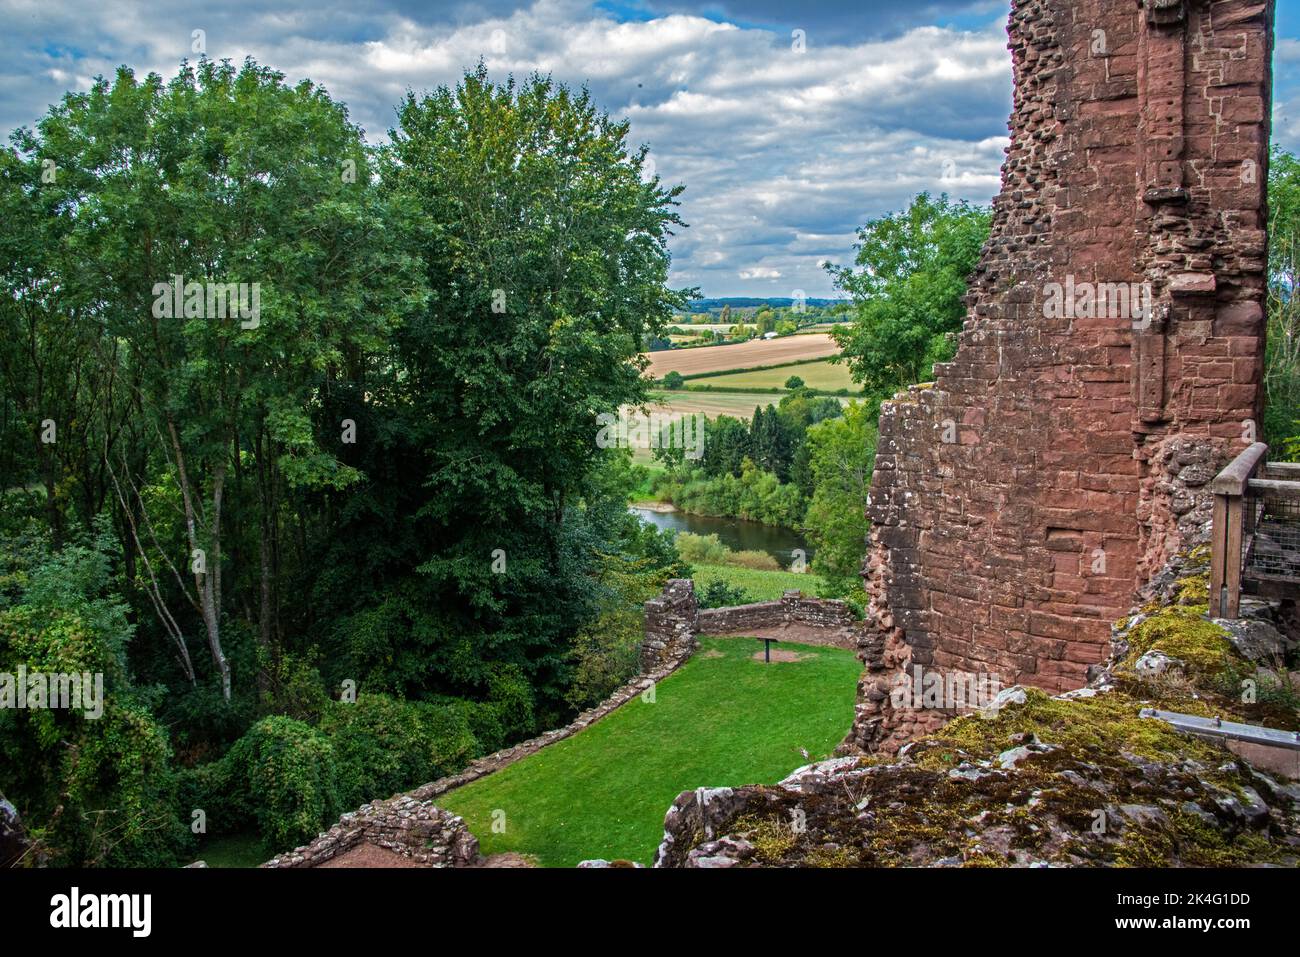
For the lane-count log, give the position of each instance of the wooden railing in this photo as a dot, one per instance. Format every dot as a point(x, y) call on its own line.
point(1255, 547)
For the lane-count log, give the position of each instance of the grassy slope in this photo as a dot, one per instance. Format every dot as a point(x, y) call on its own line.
point(723, 719)
point(760, 585)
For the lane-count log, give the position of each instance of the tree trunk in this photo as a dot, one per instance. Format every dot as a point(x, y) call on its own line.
point(208, 584)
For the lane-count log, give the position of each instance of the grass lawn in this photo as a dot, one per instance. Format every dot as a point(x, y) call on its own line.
point(760, 585)
point(721, 719)
point(234, 850)
point(815, 375)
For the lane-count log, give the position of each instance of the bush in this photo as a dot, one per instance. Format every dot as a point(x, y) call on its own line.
point(702, 549)
point(719, 594)
point(94, 789)
point(674, 380)
point(511, 694)
point(289, 772)
point(383, 745)
point(794, 382)
point(606, 654)
point(750, 558)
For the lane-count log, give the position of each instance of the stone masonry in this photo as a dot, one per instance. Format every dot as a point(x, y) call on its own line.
point(812, 621)
point(674, 621)
point(670, 625)
point(407, 826)
point(1110, 360)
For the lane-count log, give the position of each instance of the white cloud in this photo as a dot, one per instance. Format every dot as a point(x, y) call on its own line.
point(783, 154)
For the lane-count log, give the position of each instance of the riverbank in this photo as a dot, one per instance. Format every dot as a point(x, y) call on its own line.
point(740, 535)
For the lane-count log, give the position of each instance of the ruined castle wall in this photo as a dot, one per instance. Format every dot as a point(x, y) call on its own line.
point(1019, 500)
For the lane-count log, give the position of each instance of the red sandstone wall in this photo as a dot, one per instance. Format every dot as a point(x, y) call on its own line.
point(1019, 501)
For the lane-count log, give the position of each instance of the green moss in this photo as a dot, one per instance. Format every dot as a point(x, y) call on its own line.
point(1182, 633)
point(1106, 725)
point(772, 838)
point(827, 856)
point(1193, 590)
point(1144, 847)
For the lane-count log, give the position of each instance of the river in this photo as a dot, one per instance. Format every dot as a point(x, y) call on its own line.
point(737, 534)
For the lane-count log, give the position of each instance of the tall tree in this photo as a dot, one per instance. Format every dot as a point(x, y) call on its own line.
point(544, 246)
point(223, 232)
point(841, 455)
point(907, 290)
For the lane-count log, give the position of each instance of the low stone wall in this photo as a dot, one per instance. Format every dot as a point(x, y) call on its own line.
point(816, 621)
point(405, 825)
point(670, 625)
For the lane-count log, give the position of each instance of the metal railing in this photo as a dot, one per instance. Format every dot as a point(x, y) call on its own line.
point(1255, 548)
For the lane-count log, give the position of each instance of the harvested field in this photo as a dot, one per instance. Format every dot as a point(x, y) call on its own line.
point(738, 405)
point(816, 375)
point(746, 355)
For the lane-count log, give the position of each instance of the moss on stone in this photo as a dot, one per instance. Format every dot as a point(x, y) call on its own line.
point(826, 855)
point(772, 838)
point(1183, 633)
point(1193, 590)
point(1107, 724)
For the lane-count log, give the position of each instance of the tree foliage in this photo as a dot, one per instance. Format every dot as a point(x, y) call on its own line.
point(907, 288)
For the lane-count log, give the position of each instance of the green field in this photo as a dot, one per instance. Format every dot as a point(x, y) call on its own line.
point(815, 375)
point(723, 719)
point(758, 584)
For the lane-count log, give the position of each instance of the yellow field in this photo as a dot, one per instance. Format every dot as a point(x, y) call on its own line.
point(757, 352)
point(815, 375)
point(738, 405)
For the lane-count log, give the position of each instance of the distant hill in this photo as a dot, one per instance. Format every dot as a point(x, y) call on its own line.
point(746, 302)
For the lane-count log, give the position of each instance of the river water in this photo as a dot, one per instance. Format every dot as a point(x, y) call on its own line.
point(736, 533)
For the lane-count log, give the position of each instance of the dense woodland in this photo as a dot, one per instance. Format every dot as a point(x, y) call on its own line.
point(386, 484)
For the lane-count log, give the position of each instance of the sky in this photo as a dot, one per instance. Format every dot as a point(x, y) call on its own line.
point(789, 123)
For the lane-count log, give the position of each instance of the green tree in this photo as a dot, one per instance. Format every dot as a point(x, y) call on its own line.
point(907, 290)
point(1282, 357)
point(674, 380)
point(841, 454)
point(222, 176)
point(545, 254)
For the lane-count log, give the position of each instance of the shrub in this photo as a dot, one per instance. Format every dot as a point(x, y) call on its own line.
point(383, 745)
point(674, 380)
point(288, 770)
point(794, 382)
point(606, 654)
point(702, 549)
point(511, 693)
point(719, 594)
point(751, 558)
